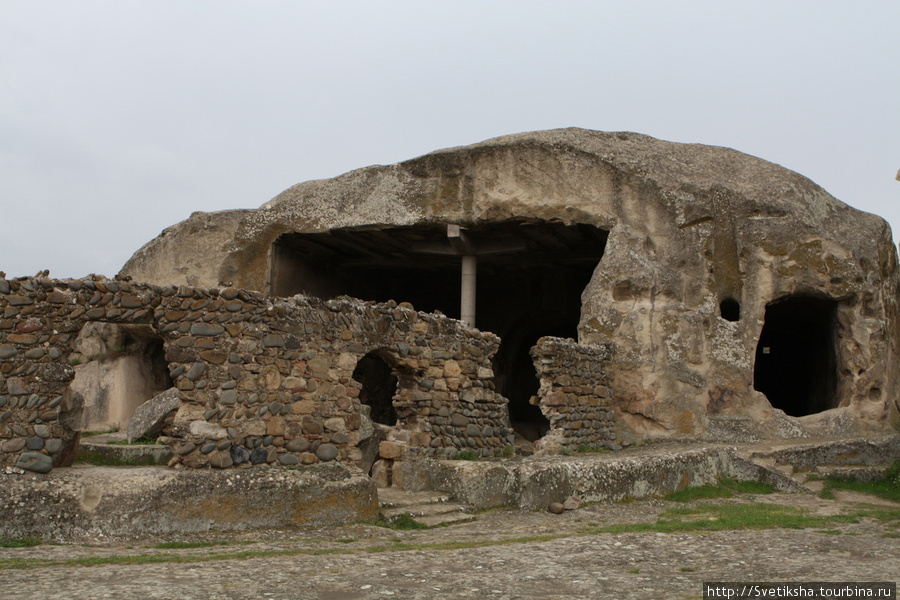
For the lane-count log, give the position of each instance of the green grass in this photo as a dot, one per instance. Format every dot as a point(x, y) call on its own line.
point(888, 487)
point(99, 460)
point(188, 545)
point(700, 492)
point(725, 489)
point(466, 455)
point(20, 543)
point(747, 487)
point(508, 452)
point(756, 515)
point(405, 522)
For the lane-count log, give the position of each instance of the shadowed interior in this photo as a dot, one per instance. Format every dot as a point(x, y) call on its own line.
point(796, 359)
point(530, 278)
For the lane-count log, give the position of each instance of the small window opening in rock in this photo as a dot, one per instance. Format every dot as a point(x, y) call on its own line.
point(117, 368)
point(730, 309)
point(796, 358)
point(379, 386)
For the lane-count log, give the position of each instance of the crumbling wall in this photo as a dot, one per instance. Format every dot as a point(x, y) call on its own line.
point(260, 380)
point(574, 395)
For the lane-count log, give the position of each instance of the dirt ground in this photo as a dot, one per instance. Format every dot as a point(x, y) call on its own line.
point(504, 554)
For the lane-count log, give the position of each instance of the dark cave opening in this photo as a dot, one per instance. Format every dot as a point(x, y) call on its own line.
point(379, 386)
point(796, 358)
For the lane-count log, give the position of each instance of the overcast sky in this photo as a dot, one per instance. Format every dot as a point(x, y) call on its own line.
point(120, 118)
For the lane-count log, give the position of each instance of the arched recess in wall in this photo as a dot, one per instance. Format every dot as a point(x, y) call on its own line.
point(118, 367)
point(796, 363)
point(379, 386)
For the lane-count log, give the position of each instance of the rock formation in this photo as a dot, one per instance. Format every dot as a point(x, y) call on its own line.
point(737, 298)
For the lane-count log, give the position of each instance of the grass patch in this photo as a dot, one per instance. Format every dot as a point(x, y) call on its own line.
point(508, 452)
point(188, 545)
point(888, 487)
point(826, 493)
point(99, 460)
point(20, 543)
point(747, 487)
point(405, 522)
point(726, 517)
point(700, 492)
point(466, 455)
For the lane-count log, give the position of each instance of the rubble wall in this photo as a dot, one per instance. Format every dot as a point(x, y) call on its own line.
point(260, 380)
point(574, 394)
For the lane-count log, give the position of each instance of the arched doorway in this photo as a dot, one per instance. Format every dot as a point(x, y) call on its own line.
point(796, 358)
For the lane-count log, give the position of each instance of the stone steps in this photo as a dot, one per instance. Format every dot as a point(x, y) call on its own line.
point(807, 465)
point(143, 454)
point(430, 508)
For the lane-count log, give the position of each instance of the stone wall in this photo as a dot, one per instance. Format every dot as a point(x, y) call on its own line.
point(574, 395)
point(260, 380)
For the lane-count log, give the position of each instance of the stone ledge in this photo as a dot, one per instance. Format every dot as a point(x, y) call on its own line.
point(535, 482)
point(133, 502)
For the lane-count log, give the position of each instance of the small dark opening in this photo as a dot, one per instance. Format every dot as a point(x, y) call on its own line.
point(379, 385)
point(796, 359)
point(155, 355)
point(730, 309)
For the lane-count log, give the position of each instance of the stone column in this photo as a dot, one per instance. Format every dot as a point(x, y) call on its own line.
point(467, 297)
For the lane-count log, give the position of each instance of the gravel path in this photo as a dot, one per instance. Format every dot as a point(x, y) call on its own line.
point(363, 561)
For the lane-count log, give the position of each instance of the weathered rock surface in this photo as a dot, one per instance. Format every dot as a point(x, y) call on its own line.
point(150, 417)
point(87, 502)
point(701, 240)
point(537, 482)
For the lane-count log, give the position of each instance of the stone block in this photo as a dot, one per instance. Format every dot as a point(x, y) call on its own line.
point(391, 450)
point(335, 424)
point(149, 418)
point(381, 473)
point(207, 430)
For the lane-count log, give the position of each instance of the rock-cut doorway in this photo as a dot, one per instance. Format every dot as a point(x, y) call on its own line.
point(796, 358)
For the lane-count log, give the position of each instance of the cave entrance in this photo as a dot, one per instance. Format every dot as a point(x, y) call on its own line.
point(530, 277)
point(379, 386)
point(796, 358)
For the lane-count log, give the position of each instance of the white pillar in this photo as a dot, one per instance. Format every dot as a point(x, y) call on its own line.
point(467, 297)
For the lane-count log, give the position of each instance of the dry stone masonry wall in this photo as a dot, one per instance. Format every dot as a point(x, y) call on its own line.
point(260, 380)
point(574, 394)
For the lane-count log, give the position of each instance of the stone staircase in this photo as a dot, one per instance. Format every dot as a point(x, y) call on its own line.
point(430, 508)
point(806, 465)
